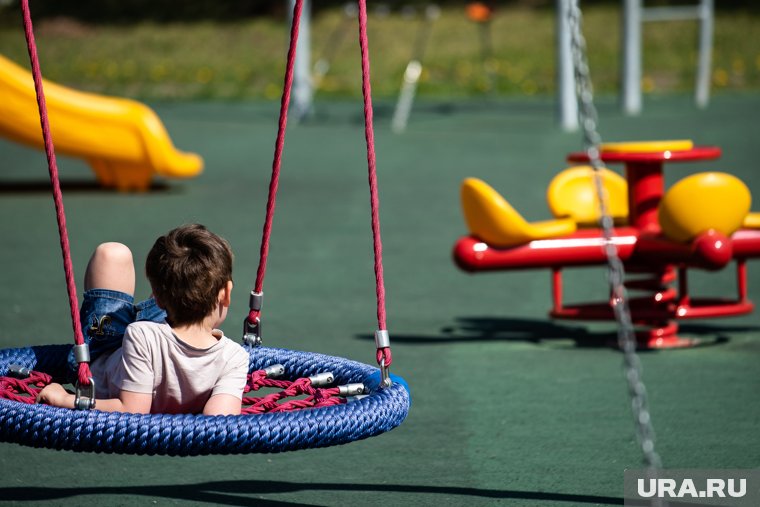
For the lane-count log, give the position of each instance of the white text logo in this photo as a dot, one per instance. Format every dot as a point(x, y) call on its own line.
point(715, 488)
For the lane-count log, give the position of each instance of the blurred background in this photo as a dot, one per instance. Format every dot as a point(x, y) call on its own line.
point(510, 406)
point(221, 50)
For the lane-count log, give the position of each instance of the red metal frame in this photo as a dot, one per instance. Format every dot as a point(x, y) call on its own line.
point(656, 262)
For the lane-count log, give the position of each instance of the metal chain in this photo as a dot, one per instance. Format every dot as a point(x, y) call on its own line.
point(616, 273)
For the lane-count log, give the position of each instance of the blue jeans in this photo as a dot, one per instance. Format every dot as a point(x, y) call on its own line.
point(105, 315)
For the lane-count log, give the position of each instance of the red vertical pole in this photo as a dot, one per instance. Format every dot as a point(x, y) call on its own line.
point(557, 289)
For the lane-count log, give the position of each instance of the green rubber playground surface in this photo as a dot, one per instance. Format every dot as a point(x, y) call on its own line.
point(508, 406)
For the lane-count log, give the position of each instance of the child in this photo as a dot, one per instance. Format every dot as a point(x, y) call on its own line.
point(172, 358)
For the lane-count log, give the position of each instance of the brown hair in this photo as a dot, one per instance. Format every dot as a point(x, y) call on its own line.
point(187, 267)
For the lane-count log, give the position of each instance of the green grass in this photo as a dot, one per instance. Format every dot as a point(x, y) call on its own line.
point(245, 59)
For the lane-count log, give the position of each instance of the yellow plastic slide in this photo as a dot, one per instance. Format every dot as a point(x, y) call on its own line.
point(124, 141)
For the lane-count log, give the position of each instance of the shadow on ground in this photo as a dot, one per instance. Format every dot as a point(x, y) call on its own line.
point(241, 492)
point(67, 186)
point(477, 329)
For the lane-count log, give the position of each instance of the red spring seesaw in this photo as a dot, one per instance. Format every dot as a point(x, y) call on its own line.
point(703, 221)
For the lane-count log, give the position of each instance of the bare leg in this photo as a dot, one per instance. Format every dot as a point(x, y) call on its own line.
point(111, 267)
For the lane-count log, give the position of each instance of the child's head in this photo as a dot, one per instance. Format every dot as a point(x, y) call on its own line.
point(188, 268)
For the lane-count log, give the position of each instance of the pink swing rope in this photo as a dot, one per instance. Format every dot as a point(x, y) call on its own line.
point(274, 181)
point(84, 367)
point(383, 353)
point(384, 356)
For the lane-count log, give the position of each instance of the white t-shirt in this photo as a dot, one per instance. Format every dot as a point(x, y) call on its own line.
point(180, 377)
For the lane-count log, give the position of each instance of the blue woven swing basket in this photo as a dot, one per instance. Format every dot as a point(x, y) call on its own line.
point(192, 435)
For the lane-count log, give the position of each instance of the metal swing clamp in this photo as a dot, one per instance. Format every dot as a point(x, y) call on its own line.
point(252, 331)
point(86, 400)
point(383, 340)
point(18, 371)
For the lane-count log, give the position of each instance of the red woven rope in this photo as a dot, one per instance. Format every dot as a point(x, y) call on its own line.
point(84, 368)
point(278, 149)
point(24, 390)
point(383, 354)
point(274, 402)
point(369, 134)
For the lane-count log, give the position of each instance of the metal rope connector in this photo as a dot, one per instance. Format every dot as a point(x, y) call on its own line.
point(322, 379)
point(18, 371)
point(85, 401)
point(382, 339)
point(349, 390)
point(256, 301)
point(81, 353)
point(274, 370)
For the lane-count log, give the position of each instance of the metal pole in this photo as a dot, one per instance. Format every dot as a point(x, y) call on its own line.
point(303, 90)
point(567, 102)
point(706, 20)
point(631, 68)
point(413, 70)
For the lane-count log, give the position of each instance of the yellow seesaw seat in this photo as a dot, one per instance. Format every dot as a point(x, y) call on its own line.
point(572, 193)
point(123, 140)
point(704, 201)
point(492, 219)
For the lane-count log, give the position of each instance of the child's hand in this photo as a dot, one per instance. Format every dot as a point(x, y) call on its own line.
point(56, 395)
